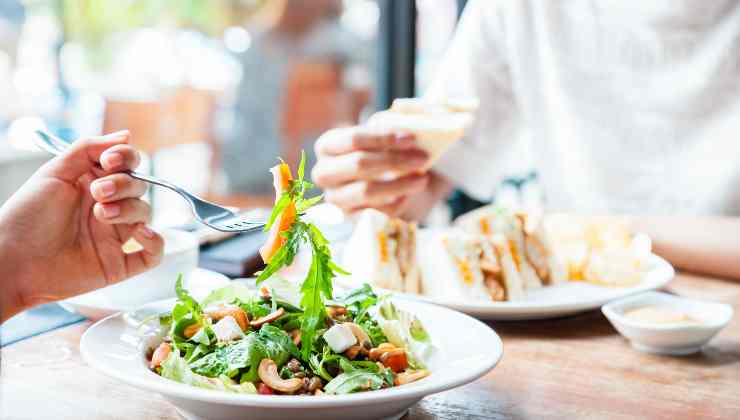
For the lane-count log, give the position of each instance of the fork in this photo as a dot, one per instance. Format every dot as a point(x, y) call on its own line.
point(210, 214)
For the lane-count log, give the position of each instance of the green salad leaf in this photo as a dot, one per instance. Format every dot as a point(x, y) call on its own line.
point(176, 368)
point(318, 283)
point(354, 381)
point(268, 343)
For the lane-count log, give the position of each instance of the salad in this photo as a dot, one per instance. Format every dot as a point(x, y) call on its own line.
point(245, 340)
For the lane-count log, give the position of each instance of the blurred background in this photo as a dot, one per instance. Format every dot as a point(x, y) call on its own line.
point(213, 91)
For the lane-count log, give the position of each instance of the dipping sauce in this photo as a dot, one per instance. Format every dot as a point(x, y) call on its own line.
point(655, 314)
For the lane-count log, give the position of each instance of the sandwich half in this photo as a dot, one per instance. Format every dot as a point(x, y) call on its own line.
point(456, 265)
point(436, 125)
point(382, 252)
point(527, 241)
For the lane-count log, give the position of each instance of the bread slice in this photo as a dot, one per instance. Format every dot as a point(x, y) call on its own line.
point(382, 252)
point(436, 125)
point(492, 220)
point(460, 266)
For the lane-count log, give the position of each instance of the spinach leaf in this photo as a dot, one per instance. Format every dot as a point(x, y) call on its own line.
point(268, 343)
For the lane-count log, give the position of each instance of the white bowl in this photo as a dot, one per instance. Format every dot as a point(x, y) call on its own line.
point(669, 339)
point(467, 350)
point(180, 256)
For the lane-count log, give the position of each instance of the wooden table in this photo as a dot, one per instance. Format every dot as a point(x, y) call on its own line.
point(576, 367)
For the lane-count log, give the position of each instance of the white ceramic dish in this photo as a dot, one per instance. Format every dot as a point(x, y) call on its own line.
point(97, 306)
point(552, 301)
point(668, 339)
point(114, 347)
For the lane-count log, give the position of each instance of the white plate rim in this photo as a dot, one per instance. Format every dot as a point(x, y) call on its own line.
point(663, 272)
point(416, 391)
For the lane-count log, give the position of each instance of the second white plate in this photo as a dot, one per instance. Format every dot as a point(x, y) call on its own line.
point(554, 301)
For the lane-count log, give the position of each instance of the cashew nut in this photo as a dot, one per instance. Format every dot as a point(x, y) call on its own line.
point(160, 355)
point(268, 373)
point(238, 313)
point(191, 330)
point(408, 377)
point(267, 318)
point(359, 334)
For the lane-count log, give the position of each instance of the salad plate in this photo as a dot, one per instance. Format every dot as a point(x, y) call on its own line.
point(555, 301)
point(118, 349)
point(292, 350)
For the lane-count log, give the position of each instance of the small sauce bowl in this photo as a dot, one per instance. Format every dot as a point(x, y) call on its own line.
point(668, 338)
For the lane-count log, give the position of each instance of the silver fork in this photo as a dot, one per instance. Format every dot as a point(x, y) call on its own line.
point(211, 215)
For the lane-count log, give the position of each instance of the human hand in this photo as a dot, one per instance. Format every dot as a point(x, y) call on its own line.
point(360, 168)
point(62, 232)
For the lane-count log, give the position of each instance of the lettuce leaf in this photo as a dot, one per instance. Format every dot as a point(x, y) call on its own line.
point(176, 368)
point(405, 330)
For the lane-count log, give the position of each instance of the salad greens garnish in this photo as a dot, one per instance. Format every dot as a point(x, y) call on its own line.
point(318, 283)
point(288, 338)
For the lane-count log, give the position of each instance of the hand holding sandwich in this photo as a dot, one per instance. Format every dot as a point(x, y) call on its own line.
point(384, 164)
point(360, 167)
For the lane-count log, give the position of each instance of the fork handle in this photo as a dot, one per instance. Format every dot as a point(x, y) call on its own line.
point(156, 181)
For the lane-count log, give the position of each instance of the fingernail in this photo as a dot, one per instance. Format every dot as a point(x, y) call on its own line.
point(403, 137)
point(148, 233)
point(104, 189)
point(111, 210)
point(116, 135)
point(112, 160)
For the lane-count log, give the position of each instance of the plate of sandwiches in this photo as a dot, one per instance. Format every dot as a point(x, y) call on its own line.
point(495, 263)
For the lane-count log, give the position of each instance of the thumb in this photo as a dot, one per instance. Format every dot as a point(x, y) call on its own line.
point(83, 156)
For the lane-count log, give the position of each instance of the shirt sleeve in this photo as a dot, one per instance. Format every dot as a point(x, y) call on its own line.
point(476, 66)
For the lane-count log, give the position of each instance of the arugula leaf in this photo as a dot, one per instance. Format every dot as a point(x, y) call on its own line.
point(285, 255)
point(318, 282)
point(360, 301)
point(280, 205)
point(308, 203)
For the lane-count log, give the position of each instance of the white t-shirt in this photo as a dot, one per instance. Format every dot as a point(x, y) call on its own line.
point(627, 106)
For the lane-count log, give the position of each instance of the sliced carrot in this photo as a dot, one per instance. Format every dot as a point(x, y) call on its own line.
point(282, 177)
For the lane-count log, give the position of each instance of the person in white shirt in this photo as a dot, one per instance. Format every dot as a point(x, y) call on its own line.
point(629, 108)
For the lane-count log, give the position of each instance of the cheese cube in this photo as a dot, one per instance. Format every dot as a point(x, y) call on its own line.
point(227, 329)
point(340, 338)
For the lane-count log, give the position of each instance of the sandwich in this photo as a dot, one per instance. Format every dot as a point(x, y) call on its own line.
point(382, 252)
point(457, 265)
point(526, 240)
point(436, 125)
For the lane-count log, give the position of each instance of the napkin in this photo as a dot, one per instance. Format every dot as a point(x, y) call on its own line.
point(36, 321)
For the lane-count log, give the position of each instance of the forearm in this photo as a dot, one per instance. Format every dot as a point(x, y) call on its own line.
point(707, 245)
point(420, 204)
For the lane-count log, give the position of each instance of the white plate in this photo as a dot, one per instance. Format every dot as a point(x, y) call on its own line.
point(468, 349)
point(556, 301)
point(97, 305)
